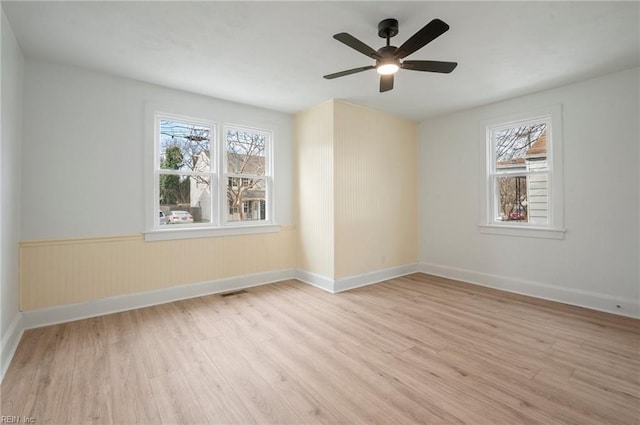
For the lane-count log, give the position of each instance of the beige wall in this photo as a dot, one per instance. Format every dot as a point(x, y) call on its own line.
point(356, 194)
point(375, 185)
point(66, 271)
point(313, 188)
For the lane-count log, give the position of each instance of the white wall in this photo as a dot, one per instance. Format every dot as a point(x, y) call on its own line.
point(596, 265)
point(11, 95)
point(83, 145)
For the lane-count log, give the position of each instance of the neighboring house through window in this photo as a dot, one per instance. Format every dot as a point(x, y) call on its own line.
point(248, 173)
point(185, 172)
point(523, 181)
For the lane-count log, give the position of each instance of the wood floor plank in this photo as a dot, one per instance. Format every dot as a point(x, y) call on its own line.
point(529, 393)
point(340, 322)
point(401, 399)
point(161, 356)
point(20, 383)
point(367, 383)
point(120, 326)
point(596, 400)
point(258, 306)
point(308, 405)
point(90, 392)
point(604, 364)
point(50, 399)
point(217, 399)
point(315, 385)
point(131, 393)
point(175, 400)
point(415, 349)
point(198, 318)
point(264, 404)
point(345, 395)
point(448, 394)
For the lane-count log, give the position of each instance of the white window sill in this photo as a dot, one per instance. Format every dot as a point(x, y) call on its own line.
point(523, 231)
point(208, 232)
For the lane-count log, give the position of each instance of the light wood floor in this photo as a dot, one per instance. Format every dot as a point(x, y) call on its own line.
point(417, 349)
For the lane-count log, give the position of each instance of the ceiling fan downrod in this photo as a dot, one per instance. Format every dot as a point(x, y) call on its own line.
point(388, 28)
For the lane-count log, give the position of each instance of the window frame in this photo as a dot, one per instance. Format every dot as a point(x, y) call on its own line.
point(217, 227)
point(554, 228)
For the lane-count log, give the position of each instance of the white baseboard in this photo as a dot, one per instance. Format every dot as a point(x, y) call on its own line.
point(70, 312)
point(352, 282)
point(572, 296)
point(314, 279)
point(9, 343)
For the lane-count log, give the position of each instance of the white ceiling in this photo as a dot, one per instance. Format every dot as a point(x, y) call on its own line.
point(274, 54)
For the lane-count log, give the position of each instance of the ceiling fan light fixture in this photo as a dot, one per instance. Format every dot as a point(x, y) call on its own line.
point(387, 68)
point(389, 59)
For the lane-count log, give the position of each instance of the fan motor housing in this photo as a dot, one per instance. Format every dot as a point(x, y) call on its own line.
point(387, 51)
point(388, 28)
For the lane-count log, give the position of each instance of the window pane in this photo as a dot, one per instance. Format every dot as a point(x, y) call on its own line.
point(245, 152)
point(512, 199)
point(246, 199)
point(516, 147)
point(184, 146)
point(523, 198)
point(185, 199)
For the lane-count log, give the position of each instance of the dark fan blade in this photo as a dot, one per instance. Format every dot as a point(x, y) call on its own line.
point(356, 44)
point(428, 33)
point(430, 66)
point(348, 72)
point(386, 82)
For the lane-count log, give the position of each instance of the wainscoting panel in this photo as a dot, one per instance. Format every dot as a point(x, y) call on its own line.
point(59, 272)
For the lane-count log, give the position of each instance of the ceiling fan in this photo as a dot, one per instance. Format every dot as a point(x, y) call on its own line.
point(389, 59)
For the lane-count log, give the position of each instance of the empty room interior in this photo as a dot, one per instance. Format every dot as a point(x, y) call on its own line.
point(351, 212)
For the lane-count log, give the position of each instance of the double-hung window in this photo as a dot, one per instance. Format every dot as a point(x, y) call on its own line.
point(522, 185)
point(208, 179)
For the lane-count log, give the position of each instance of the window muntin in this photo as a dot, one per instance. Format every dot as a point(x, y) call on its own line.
point(247, 168)
point(520, 173)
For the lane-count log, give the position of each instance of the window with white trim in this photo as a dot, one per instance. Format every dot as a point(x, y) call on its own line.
point(523, 181)
point(205, 181)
